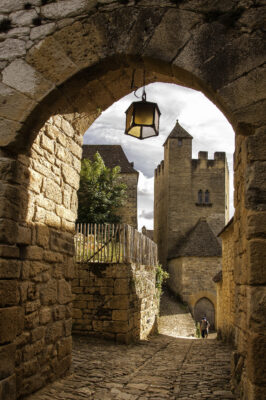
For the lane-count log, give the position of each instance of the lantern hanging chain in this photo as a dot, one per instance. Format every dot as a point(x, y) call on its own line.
point(137, 88)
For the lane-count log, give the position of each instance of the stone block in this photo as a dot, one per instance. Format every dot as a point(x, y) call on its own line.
point(68, 326)
point(7, 165)
point(256, 300)
point(32, 253)
point(121, 286)
point(70, 176)
point(45, 315)
point(256, 225)
point(47, 144)
point(32, 306)
point(22, 77)
point(24, 235)
point(32, 320)
point(10, 269)
point(51, 219)
point(64, 292)
point(11, 323)
point(255, 186)
point(120, 315)
point(256, 146)
point(40, 32)
point(54, 332)
point(31, 350)
point(9, 231)
point(9, 210)
point(48, 292)
point(256, 361)
point(7, 360)
point(64, 347)
point(8, 388)
point(53, 257)
point(53, 191)
point(9, 295)
point(256, 258)
point(37, 333)
point(119, 302)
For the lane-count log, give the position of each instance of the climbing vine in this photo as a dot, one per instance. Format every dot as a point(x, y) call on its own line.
point(161, 276)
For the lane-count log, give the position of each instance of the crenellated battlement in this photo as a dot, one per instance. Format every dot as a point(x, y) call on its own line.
point(203, 161)
point(159, 169)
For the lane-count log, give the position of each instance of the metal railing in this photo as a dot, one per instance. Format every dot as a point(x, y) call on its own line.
point(110, 243)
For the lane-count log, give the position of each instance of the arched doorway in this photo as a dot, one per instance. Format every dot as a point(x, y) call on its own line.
point(204, 307)
point(52, 91)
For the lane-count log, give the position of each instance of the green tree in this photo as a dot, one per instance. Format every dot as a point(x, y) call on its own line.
point(101, 192)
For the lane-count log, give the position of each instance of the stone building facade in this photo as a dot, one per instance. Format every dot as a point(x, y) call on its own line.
point(191, 206)
point(226, 286)
point(113, 155)
point(51, 74)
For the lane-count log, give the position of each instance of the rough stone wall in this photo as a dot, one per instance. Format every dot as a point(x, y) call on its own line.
point(226, 289)
point(218, 48)
point(191, 278)
point(129, 211)
point(115, 301)
point(41, 213)
point(248, 364)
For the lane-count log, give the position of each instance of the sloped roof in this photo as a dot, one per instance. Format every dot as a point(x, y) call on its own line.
point(178, 133)
point(199, 242)
point(218, 277)
point(112, 156)
point(226, 227)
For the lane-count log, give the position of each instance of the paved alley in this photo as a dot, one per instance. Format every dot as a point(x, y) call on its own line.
point(164, 367)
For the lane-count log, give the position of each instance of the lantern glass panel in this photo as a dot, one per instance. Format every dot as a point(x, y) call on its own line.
point(129, 117)
point(135, 131)
point(156, 119)
point(143, 113)
point(148, 131)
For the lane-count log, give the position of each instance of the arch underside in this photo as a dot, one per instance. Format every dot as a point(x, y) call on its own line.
point(51, 94)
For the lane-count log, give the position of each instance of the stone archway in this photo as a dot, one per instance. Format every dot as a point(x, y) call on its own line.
point(204, 307)
point(55, 78)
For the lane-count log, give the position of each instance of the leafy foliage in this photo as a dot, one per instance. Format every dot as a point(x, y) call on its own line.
point(101, 193)
point(161, 276)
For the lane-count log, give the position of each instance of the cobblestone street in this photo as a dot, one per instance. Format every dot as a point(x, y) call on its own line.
point(165, 367)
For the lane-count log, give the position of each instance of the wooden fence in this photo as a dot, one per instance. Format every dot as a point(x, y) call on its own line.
point(109, 243)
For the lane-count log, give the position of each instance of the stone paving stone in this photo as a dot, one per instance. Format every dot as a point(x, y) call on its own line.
point(166, 367)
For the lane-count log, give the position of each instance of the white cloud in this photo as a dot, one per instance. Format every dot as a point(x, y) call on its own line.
point(208, 126)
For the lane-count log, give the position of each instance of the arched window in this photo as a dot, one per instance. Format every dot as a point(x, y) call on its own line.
point(200, 196)
point(207, 196)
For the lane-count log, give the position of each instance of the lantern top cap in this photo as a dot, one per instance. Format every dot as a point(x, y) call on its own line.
point(144, 102)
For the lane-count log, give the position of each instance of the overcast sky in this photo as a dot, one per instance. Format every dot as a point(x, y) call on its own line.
point(210, 130)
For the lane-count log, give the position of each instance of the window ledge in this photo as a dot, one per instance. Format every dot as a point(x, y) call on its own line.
point(204, 204)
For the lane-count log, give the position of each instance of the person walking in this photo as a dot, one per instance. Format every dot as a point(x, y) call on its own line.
point(204, 327)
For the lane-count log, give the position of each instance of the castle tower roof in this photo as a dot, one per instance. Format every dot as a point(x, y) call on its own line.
point(178, 133)
point(200, 241)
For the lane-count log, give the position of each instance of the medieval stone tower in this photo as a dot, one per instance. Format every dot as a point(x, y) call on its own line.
point(187, 189)
point(191, 206)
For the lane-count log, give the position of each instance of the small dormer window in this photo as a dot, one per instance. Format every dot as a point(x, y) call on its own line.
point(200, 196)
point(207, 196)
point(179, 142)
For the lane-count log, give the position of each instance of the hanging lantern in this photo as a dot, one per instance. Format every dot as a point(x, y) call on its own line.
point(142, 118)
